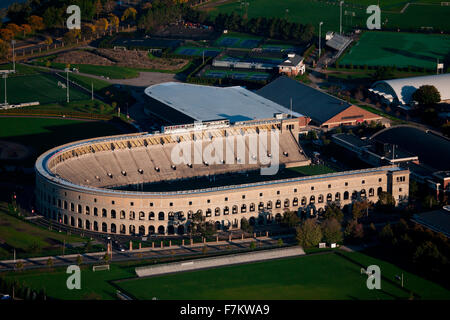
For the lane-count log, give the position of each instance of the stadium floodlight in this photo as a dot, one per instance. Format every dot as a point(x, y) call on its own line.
point(67, 70)
point(13, 42)
point(320, 36)
point(340, 18)
point(5, 75)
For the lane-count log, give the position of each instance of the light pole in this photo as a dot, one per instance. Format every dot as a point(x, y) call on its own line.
point(340, 18)
point(67, 85)
point(5, 75)
point(13, 42)
point(320, 36)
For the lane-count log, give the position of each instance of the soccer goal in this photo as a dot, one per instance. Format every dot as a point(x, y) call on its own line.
point(101, 267)
point(61, 85)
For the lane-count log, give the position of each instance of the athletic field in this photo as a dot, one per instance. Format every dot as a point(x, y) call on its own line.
point(327, 276)
point(394, 13)
point(39, 87)
point(398, 49)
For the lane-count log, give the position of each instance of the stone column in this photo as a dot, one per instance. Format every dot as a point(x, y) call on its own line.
point(192, 241)
point(182, 242)
point(140, 245)
point(170, 243)
point(131, 245)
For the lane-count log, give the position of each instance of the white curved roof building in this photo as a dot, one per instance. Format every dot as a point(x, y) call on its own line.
point(401, 90)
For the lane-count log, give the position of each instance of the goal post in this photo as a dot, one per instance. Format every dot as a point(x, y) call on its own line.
point(101, 267)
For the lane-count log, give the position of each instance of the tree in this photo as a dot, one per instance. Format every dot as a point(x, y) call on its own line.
point(427, 95)
point(333, 211)
point(26, 29)
point(98, 8)
point(102, 24)
point(252, 245)
point(79, 260)
point(15, 29)
point(308, 234)
point(4, 49)
point(290, 219)
point(332, 231)
point(359, 208)
point(386, 234)
point(109, 6)
point(50, 262)
point(129, 13)
point(6, 34)
point(245, 225)
point(200, 225)
point(36, 23)
point(114, 21)
point(106, 258)
point(354, 232)
point(53, 17)
point(385, 201)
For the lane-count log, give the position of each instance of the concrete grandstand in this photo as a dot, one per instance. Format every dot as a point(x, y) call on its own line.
point(77, 182)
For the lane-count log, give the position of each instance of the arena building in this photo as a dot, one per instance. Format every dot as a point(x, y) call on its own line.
point(400, 91)
point(79, 184)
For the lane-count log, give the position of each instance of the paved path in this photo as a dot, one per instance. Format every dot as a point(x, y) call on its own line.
point(144, 253)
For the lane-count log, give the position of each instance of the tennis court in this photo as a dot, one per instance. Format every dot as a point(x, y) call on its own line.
point(196, 51)
point(238, 41)
point(240, 75)
point(398, 49)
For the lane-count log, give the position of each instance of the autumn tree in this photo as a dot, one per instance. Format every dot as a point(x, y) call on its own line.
point(4, 48)
point(129, 13)
point(360, 208)
point(6, 34)
point(26, 29)
point(36, 23)
point(98, 8)
point(354, 232)
point(114, 21)
point(102, 24)
point(15, 29)
point(333, 211)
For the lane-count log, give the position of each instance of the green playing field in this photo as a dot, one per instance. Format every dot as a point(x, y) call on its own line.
point(327, 276)
point(39, 87)
point(398, 49)
point(394, 13)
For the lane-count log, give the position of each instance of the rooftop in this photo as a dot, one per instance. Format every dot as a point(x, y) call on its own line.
point(438, 220)
point(316, 104)
point(207, 103)
point(432, 149)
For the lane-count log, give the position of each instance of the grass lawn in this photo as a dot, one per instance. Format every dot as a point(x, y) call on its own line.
point(86, 82)
point(92, 283)
point(313, 170)
point(20, 69)
point(312, 11)
point(398, 49)
point(28, 239)
point(43, 134)
point(38, 87)
point(327, 276)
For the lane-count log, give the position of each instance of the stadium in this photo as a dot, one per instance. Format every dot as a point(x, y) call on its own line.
point(100, 184)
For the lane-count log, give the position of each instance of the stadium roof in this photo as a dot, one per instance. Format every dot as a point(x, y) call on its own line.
point(433, 150)
point(403, 89)
point(338, 42)
point(317, 105)
point(207, 103)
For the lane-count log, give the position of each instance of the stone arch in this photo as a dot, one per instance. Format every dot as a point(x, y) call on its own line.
point(151, 229)
point(123, 214)
point(151, 215)
point(95, 226)
point(379, 190)
point(346, 195)
point(87, 225)
point(104, 213)
point(104, 227)
point(161, 216)
point(80, 223)
point(170, 229)
point(72, 221)
point(180, 230)
point(141, 230)
point(123, 229)
point(132, 229)
point(113, 228)
point(161, 230)
point(113, 214)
